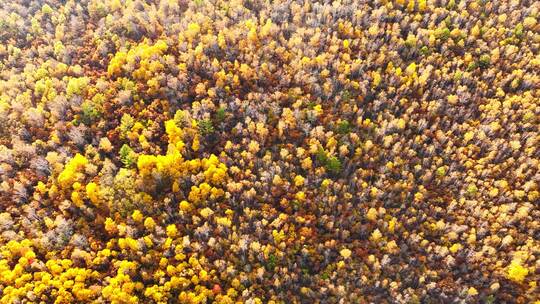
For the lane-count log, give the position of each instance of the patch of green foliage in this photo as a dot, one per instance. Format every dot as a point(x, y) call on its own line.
point(472, 66)
point(444, 34)
point(332, 164)
point(484, 61)
point(90, 113)
point(206, 127)
point(295, 204)
point(490, 299)
point(220, 115)
point(518, 31)
point(271, 262)
point(344, 127)
point(321, 155)
point(127, 156)
point(346, 95)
